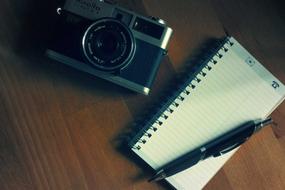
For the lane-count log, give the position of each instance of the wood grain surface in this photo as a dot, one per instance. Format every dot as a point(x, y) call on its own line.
point(60, 129)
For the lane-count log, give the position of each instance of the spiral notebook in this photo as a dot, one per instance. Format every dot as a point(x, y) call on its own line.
point(228, 89)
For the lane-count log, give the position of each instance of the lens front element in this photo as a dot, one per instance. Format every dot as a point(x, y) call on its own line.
point(108, 44)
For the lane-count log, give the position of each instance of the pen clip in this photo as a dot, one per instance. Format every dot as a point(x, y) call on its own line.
point(229, 148)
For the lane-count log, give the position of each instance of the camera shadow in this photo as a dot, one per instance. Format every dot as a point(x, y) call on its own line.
point(30, 37)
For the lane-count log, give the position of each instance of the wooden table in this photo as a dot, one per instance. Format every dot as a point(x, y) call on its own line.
point(59, 128)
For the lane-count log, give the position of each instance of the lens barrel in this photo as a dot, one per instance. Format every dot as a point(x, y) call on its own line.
point(108, 44)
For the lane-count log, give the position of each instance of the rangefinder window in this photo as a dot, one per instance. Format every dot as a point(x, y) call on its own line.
point(148, 28)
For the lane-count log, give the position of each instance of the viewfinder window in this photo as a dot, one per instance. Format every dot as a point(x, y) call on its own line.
point(148, 28)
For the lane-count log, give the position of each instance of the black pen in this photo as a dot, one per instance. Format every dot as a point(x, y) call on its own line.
point(216, 147)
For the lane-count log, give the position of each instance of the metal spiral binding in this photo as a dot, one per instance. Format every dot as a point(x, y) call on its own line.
point(148, 133)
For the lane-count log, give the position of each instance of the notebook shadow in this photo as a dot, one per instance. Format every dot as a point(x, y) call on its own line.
point(145, 112)
point(145, 171)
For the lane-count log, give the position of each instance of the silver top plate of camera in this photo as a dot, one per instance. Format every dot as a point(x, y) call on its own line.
point(95, 9)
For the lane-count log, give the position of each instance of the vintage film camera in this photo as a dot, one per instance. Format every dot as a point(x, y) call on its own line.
point(110, 42)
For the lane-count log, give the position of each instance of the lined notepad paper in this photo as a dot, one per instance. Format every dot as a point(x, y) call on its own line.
point(232, 88)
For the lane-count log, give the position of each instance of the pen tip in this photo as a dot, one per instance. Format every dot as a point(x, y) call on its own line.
point(158, 176)
point(267, 121)
point(152, 179)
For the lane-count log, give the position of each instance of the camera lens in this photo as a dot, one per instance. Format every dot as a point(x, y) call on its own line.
point(108, 44)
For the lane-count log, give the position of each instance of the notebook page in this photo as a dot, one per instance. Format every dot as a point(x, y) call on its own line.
point(232, 93)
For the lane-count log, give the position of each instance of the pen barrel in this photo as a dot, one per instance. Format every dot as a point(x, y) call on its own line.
point(230, 140)
point(216, 147)
point(184, 162)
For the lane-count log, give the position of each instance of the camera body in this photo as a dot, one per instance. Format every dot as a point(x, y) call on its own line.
point(110, 42)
